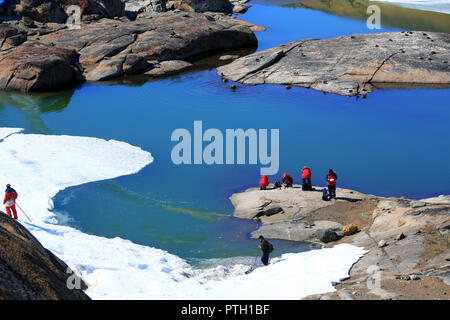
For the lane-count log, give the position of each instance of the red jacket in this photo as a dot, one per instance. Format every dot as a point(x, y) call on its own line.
point(331, 179)
point(306, 173)
point(287, 178)
point(264, 182)
point(10, 194)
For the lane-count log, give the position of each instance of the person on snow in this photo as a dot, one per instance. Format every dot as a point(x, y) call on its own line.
point(287, 180)
point(10, 201)
point(306, 177)
point(331, 181)
point(264, 182)
point(266, 248)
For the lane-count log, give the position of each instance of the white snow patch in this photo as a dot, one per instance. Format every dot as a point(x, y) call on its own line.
point(442, 6)
point(41, 165)
point(4, 132)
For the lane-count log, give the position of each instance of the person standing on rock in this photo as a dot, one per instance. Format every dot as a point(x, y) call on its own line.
point(331, 181)
point(10, 201)
point(263, 183)
point(266, 249)
point(306, 177)
point(287, 180)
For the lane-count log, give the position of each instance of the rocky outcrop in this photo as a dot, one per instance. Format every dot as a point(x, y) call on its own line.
point(402, 237)
point(55, 10)
point(37, 67)
point(349, 65)
point(108, 49)
point(11, 37)
point(296, 215)
point(28, 271)
point(201, 5)
point(139, 6)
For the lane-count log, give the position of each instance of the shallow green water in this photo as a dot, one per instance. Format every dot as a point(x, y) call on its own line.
point(395, 142)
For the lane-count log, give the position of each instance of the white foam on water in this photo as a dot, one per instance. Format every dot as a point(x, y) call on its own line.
point(442, 6)
point(39, 166)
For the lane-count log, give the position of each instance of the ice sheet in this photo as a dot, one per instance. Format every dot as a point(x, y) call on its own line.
point(41, 165)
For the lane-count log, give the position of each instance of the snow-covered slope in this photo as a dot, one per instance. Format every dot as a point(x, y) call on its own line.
point(38, 166)
point(427, 5)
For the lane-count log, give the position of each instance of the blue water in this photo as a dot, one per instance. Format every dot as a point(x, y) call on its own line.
point(394, 143)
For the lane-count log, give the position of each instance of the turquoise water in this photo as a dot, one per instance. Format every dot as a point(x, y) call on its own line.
point(394, 143)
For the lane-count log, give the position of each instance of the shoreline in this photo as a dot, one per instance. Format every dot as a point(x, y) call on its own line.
point(405, 239)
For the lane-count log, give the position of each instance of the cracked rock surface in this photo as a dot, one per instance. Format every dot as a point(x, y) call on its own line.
point(349, 65)
point(110, 48)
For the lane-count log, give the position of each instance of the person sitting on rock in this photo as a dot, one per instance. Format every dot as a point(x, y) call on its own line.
point(10, 201)
point(306, 177)
point(287, 180)
point(331, 181)
point(264, 182)
point(266, 249)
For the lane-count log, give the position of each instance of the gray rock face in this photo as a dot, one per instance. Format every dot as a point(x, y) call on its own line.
point(146, 5)
point(202, 5)
point(37, 67)
point(108, 48)
point(349, 65)
point(168, 67)
point(54, 10)
point(328, 235)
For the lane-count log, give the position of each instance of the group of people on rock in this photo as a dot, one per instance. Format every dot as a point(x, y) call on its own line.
point(331, 177)
point(288, 181)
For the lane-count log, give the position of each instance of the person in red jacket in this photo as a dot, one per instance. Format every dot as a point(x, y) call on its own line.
point(306, 177)
point(331, 181)
point(10, 201)
point(264, 182)
point(287, 180)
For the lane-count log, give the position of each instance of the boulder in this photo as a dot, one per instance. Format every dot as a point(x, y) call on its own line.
point(139, 6)
point(350, 229)
point(228, 57)
point(349, 65)
point(11, 37)
point(38, 67)
point(55, 10)
point(400, 236)
point(202, 5)
point(28, 271)
point(168, 67)
point(108, 49)
point(327, 235)
point(382, 244)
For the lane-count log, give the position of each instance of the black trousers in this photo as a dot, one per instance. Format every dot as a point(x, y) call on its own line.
point(265, 258)
point(307, 181)
point(332, 191)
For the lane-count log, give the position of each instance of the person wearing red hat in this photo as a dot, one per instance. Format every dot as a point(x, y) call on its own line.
point(10, 201)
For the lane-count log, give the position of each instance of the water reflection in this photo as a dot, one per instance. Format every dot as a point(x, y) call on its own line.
point(391, 15)
point(32, 105)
